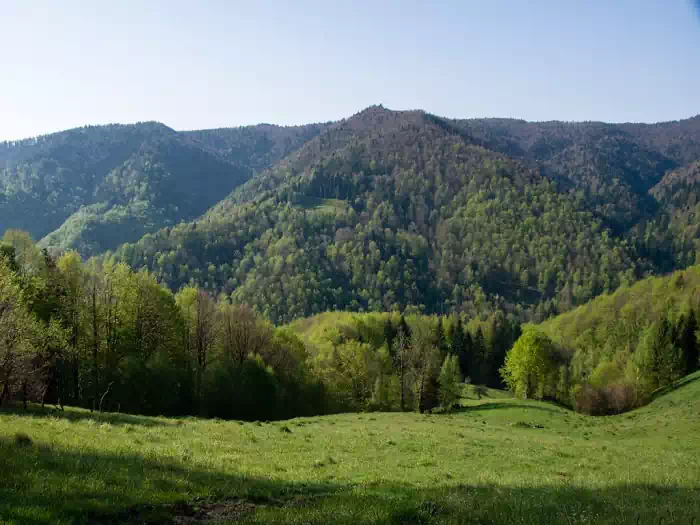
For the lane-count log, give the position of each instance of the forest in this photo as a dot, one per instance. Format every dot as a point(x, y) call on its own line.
point(367, 264)
point(382, 211)
point(102, 336)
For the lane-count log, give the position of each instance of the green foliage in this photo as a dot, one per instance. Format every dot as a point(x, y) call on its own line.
point(384, 211)
point(532, 365)
point(94, 188)
point(432, 218)
point(450, 382)
point(624, 346)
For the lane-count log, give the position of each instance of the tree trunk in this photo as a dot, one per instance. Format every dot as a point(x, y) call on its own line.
point(109, 388)
point(24, 395)
point(95, 346)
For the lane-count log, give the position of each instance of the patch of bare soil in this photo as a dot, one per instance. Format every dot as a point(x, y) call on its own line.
point(187, 514)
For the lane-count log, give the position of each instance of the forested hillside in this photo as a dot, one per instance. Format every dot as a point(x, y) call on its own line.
point(394, 210)
point(104, 337)
point(383, 211)
point(615, 352)
point(94, 188)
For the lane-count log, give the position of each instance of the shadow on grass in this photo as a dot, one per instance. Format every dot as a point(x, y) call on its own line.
point(46, 485)
point(676, 386)
point(489, 405)
point(81, 415)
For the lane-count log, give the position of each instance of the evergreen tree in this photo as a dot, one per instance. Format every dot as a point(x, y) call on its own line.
point(687, 341)
point(479, 354)
point(450, 382)
point(658, 358)
point(389, 333)
point(403, 329)
point(440, 338)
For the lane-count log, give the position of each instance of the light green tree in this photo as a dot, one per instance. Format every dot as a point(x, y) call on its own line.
point(531, 368)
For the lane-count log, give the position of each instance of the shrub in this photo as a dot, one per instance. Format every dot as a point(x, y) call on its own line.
point(620, 397)
point(599, 401)
point(590, 400)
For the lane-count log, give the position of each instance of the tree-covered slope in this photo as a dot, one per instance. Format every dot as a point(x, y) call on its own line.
point(618, 350)
point(94, 188)
point(389, 210)
point(609, 167)
point(44, 180)
point(383, 210)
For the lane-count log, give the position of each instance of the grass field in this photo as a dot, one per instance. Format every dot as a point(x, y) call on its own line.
point(494, 461)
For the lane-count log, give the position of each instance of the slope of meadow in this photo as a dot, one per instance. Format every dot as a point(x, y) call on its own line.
point(497, 460)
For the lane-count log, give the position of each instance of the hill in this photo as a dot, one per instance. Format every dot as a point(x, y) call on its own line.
point(94, 188)
point(388, 198)
point(386, 210)
point(498, 460)
point(616, 352)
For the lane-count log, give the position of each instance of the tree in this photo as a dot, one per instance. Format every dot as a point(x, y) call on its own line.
point(199, 312)
point(440, 338)
point(402, 359)
point(74, 277)
point(657, 358)
point(241, 332)
point(426, 365)
point(389, 332)
point(531, 366)
point(686, 340)
point(19, 336)
point(450, 382)
point(479, 355)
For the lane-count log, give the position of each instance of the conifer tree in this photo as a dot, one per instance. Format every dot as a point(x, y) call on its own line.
point(687, 341)
point(450, 382)
point(440, 339)
point(478, 353)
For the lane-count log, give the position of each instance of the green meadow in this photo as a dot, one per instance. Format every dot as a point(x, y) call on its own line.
point(497, 460)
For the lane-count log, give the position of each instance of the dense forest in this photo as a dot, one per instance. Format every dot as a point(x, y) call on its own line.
point(615, 352)
point(404, 211)
point(383, 211)
point(102, 336)
point(96, 187)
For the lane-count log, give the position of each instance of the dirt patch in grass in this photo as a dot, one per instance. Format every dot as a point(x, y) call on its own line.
point(194, 513)
point(186, 514)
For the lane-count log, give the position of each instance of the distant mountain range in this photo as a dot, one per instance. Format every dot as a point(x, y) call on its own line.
point(383, 210)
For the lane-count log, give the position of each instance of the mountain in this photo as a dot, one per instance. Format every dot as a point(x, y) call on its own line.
point(390, 210)
point(384, 210)
point(95, 188)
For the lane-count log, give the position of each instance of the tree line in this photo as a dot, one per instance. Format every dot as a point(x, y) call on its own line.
point(102, 336)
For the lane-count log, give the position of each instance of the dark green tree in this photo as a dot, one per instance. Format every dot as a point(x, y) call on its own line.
point(686, 339)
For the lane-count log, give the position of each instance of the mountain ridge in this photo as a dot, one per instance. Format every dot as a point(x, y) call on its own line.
point(392, 210)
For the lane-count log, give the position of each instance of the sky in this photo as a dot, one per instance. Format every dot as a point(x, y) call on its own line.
point(207, 63)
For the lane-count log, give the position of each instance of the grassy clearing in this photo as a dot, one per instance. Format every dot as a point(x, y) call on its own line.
point(325, 205)
point(494, 461)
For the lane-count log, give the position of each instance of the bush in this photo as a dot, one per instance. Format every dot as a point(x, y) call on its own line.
point(590, 400)
point(600, 401)
point(621, 397)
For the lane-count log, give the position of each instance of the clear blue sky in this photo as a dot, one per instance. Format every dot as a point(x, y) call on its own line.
point(206, 63)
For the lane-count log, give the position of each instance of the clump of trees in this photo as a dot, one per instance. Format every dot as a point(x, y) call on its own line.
point(414, 362)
